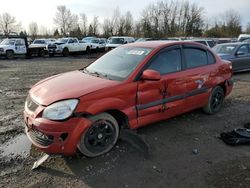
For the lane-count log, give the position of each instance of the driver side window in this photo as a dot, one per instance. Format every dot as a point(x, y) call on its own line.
point(243, 49)
point(167, 62)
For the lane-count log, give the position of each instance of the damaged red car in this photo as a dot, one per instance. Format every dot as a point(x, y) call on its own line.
point(129, 87)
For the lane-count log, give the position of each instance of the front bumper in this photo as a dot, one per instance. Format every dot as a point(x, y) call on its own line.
point(55, 51)
point(55, 137)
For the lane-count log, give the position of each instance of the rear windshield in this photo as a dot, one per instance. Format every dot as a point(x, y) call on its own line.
point(120, 62)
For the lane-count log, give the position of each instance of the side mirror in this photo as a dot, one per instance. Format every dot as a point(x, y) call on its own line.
point(239, 53)
point(151, 75)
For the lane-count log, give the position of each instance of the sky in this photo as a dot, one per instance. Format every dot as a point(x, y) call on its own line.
point(43, 12)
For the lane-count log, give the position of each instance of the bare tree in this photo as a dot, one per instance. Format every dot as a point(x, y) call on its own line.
point(33, 30)
point(84, 23)
point(95, 24)
point(248, 28)
point(106, 27)
point(128, 23)
point(227, 24)
point(114, 24)
point(8, 24)
point(233, 21)
point(65, 20)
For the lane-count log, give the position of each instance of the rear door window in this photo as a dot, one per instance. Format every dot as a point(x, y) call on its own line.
point(195, 57)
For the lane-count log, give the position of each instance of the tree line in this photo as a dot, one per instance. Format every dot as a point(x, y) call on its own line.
point(161, 19)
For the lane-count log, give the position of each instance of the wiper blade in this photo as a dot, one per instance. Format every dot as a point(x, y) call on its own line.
point(97, 74)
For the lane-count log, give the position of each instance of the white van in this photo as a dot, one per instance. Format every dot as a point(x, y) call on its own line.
point(114, 42)
point(243, 37)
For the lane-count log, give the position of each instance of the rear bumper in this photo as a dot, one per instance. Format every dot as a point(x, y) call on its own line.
point(55, 137)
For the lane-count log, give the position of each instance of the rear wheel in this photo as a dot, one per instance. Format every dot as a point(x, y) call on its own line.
point(65, 52)
point(215, 101)
point(100, 137)
point(9, 54)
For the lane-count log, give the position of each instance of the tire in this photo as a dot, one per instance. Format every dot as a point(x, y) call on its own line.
point(97, 50)
point(65, 52)
point(101, 136)
point(41, 53)
point(9, 54)
point(215, 101)
point(88, 50)
point(51, 55)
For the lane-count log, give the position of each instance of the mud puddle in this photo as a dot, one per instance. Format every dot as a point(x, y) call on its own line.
point(20, 146)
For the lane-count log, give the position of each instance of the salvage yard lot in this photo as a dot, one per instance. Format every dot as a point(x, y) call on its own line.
point(172, 161)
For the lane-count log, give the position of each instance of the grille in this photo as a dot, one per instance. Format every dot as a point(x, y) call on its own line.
point(52, 46)
point(40, 138)
point(30, 104)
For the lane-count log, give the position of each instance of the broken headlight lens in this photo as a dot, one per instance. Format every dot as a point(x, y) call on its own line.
point(60, 110)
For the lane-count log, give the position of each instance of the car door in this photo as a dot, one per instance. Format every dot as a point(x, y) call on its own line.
point(158, 100)
point(241, 59)
point(20, 47)
point(71, 45)
point(200, 70)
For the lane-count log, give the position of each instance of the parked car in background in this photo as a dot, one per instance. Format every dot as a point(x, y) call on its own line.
point(238, 53)
point(88, 39)
point(143, 39)
point(129, 87)
point(13, 47)
point(98, 44)
point(118, 41)
point(207, 42)
point(66, 46)
point(223, 40)
point(40, 45)
point(243, 37)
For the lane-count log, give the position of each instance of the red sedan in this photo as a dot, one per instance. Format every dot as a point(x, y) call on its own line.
point(129, 87)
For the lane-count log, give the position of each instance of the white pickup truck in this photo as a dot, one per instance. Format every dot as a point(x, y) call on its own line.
point(12, 47)
point(65, 46)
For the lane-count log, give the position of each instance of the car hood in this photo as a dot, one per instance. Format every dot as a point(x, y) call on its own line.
point(3, 46)
point(225, 56)
point(113, 45)
point(67, 85)
point(37, 45)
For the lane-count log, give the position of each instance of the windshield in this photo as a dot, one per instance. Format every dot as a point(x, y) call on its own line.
point(62, 41)
point(117, 41)
point(8, 42)
point(119, 63)
point(224, 49)
point(96, 41)
point(39, 42)
point(87, 39)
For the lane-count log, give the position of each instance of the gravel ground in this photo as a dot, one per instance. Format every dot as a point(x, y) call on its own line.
point(183, 152)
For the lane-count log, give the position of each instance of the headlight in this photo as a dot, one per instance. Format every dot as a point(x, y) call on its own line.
point(60, 110)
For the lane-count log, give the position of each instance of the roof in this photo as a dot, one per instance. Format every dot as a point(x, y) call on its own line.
point(161, 44)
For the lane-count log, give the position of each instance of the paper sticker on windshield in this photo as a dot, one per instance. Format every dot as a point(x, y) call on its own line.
point(135, 52)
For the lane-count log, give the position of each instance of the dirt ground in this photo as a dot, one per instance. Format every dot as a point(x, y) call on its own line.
point(183, 152)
